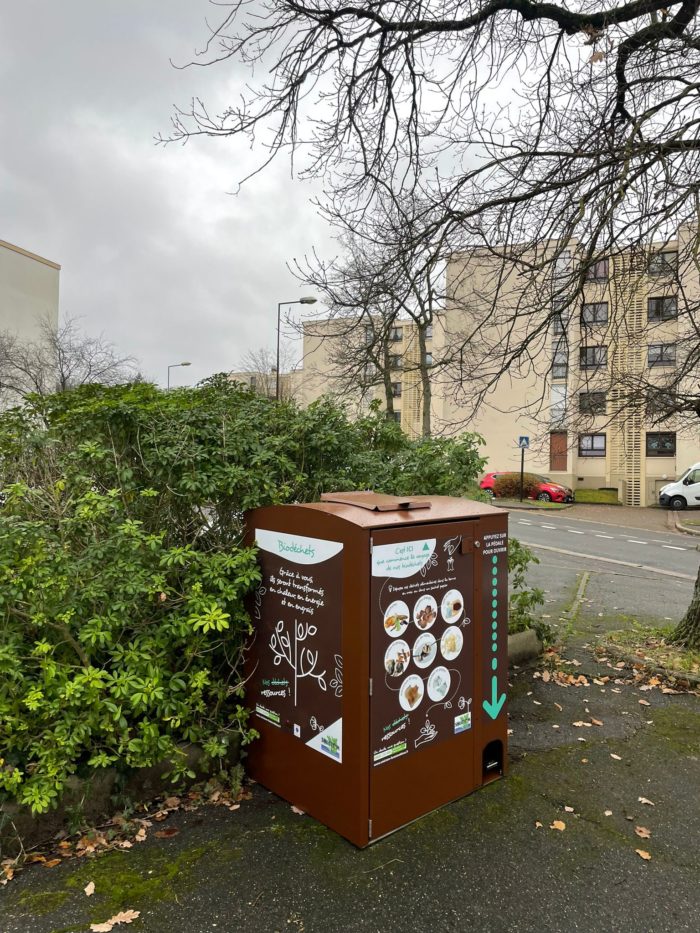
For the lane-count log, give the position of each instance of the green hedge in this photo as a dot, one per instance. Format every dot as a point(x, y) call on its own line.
point(122, 572)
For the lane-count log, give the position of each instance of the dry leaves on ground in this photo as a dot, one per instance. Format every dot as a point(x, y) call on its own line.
point(298, 811)
point(89, 888)
point(124, 916)
point(646, 801)
point(642, 832)
point(643, 854)
point(558, 824)
point(616, 757)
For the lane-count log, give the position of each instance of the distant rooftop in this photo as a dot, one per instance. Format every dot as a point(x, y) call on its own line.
point(25, 252)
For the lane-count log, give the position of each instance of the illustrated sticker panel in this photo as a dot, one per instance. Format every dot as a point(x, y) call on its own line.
point(297, 685)
point(421, 645)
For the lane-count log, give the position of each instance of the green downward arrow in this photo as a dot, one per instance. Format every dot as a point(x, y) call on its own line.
point(494, 706)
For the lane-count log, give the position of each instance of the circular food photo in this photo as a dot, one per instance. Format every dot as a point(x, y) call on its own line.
point(397, 658)
point(396, 618)
point(452, 605)
point(439, 684)
point(424, 650)
point(451, 643)
point(425, 612)
point(411, 692)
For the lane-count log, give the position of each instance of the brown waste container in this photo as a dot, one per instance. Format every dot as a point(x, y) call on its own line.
point(378, 665)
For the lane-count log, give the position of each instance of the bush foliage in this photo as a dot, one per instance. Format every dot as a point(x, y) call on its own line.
point(122, 570)
point(508, 486)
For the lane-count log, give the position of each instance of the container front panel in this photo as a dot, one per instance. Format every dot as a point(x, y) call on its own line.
point(422, 669)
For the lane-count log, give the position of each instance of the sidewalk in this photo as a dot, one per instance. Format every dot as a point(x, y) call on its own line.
point(481, 864)
point(647, 519)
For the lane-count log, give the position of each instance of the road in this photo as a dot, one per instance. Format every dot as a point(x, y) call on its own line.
point(615, 574)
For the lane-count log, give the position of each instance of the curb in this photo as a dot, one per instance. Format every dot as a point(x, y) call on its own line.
point(523, 646)
point(521, 506)
point(684, 529)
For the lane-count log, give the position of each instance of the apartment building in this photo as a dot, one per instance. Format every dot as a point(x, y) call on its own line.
point(580, 392)
point(28, 291)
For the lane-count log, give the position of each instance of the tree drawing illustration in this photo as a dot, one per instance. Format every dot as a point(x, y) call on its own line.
point(301, 659)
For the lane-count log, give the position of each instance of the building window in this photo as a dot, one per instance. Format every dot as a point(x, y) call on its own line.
point(661, 444)
point(560, 316)
point(591, 445)
point(593, 357)
point(428, 331)
point(591, 403)
point(396, 334)
point(596, 313)
point(394, 416)
point(428, 359)
point(396, 389)
point(370, 370)
point(395, 361)
point(598, 271)
point(662, 354)
point(557, 404)
point(369, 335)
point(665, 262)
point(662, 309)
point(560, 364)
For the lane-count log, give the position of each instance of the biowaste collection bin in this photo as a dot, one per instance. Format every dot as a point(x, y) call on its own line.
point(378, 664)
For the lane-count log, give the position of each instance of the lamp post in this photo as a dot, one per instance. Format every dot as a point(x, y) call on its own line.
point(174, 366)
point(299, 301)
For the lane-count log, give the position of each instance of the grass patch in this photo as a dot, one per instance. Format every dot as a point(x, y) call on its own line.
point(530, 504)
point(652, 645)
point(598, 496)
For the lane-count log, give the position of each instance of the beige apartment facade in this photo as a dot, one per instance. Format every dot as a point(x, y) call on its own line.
point(29, 288)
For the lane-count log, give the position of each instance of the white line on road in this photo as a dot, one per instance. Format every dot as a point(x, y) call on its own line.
point(572, 532)
point(521, 521)
point(610, 537)
point(672, 547)
point(548, 526)
point(612, 560)
point(634, 541)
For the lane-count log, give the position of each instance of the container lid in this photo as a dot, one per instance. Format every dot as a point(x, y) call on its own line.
point(375, 501)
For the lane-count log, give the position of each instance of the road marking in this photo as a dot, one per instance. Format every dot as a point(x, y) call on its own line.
point(522, 521)
point(634, 541)
point(672, 547)
point(572, 532)
point(605, 536)
point(612, 560)
point(548, 526)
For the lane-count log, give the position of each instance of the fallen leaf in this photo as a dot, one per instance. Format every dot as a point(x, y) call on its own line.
point(546, 676)
point(620, 665)
point(172, 803)
point(642, 854)
point(644, 703)
point(89, 888)
point(558, 824)
point(646, 801)
point(52, 863)
point(140, 835)
point(569, 809)
point(35, 857)
point(538, 825)
point(160, 816)
point(166, 833)
point(298, 811)
point(559, 707)
point(642, 832)
point(537, 703)
point(555, 726)
point(584, 761)
point(616, 757)
point(608, 813)
point(581, 724)
point(235, 806)
point(124, 916)
point(596, 722)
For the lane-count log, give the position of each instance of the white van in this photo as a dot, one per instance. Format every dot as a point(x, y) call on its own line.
point(684, 492)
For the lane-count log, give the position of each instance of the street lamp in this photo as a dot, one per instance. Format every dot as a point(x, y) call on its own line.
point(299, 301)
point(174, 366)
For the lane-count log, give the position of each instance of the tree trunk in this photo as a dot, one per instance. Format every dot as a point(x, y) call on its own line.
point(687, 632)
point(426, 394)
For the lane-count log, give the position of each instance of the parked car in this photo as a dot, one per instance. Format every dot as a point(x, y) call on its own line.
point(547, 490)
point(684, 492)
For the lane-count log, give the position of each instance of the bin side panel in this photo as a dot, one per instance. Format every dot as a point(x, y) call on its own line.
point(422, 670)
point(307, 667)
point(491, 616)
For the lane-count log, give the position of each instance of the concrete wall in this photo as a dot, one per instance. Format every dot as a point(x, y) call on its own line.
point(28, 291)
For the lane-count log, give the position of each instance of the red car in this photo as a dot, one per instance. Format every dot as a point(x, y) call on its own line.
point(547, 491)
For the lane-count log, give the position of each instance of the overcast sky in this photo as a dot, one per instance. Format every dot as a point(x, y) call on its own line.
point(155, 253)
